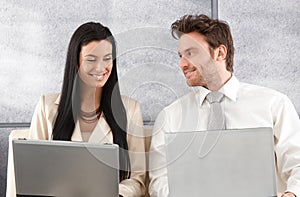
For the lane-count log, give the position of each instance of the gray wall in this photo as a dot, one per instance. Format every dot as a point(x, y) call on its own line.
point(35, 34)
point(267, 43)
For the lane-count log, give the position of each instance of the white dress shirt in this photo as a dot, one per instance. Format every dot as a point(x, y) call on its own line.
point(245, 106)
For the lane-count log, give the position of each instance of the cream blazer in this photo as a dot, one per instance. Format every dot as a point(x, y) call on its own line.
point(42, 125)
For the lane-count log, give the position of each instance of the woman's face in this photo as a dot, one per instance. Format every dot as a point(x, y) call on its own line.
point(95, 63)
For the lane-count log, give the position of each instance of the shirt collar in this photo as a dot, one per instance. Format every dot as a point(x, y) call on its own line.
point(229, 89)
point(201, 93)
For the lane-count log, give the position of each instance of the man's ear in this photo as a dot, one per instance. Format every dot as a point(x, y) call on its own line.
point(221, 52)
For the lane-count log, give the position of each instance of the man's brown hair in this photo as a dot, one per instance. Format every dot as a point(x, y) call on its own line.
point(216, 33)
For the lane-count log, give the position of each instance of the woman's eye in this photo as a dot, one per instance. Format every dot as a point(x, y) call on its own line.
point(91, 60)
point(107, 59)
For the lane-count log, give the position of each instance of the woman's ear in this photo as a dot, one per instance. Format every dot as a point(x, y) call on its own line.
point(221, 52)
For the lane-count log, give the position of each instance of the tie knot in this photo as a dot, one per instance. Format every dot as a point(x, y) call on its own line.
point(214, 97)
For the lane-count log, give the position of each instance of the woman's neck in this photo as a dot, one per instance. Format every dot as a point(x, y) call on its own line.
point(90, 98)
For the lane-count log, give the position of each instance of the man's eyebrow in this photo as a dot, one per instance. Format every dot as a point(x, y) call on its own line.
point(187, 50)
point(190, 49)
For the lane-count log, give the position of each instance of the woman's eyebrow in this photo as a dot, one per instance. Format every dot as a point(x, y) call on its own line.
point(91, 55)
point(108, 54)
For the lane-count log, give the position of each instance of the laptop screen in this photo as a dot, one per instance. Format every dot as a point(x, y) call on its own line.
point(60, 168)
point(237, 162)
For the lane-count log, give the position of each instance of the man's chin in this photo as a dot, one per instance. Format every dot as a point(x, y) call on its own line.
point(191, 83)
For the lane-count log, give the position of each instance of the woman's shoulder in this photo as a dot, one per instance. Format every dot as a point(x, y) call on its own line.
point(50, 99)
point(127, 101)
point(130, 104)
point(49, 102)
point(45, 114)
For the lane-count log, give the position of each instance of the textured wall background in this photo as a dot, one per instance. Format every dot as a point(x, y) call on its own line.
point(35, 35)
point(267, 43)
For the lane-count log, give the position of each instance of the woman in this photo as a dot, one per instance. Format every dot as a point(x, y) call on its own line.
point(90, 107)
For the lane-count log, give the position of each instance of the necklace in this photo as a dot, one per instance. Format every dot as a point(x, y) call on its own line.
point(90, 117)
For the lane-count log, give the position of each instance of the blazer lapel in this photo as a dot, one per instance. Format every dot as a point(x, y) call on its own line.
point(76, 136)
point(102, 132)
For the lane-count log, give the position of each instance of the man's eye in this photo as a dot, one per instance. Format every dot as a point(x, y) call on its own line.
point(189, 53)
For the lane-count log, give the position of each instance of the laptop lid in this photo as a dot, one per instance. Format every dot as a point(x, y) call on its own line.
point(61, 168)
point(238, 162)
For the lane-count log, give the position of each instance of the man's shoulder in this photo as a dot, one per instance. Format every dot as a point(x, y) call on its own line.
point(183, 100)
point(257, 90)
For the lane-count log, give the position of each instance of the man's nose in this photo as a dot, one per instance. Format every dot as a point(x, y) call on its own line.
point(183, 62)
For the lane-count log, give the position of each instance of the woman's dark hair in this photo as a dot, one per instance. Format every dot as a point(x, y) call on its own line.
point(69, 105)
point(216, 32)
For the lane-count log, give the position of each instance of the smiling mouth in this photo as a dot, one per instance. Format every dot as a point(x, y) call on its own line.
point(99, 77)
point(189, 72)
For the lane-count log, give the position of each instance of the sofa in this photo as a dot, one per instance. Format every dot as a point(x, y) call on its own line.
point(4, 134)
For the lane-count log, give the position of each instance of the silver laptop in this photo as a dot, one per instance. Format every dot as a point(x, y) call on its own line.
point(221, 163)
point(60, 168)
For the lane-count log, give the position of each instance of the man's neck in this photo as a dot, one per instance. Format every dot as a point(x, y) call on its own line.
point(219, 81)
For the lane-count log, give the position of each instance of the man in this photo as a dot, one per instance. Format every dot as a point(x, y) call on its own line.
point(206, 58)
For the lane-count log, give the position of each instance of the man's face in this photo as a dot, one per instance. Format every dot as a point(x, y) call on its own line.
point(197, 64)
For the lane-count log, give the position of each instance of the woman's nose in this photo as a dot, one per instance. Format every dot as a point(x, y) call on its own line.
point(101, 66)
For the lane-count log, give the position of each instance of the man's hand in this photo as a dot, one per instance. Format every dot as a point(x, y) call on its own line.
point(287, 194)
